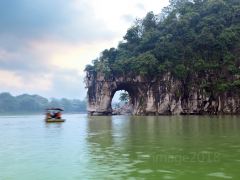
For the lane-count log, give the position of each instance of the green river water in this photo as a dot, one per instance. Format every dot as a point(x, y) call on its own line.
point(120, 147)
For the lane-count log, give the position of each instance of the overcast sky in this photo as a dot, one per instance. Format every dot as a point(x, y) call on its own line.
point(45, 44)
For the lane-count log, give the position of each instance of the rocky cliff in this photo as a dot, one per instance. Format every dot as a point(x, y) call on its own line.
point(163, 95)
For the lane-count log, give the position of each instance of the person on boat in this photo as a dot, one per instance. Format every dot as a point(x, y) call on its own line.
point(48, 115)
point(53, 114)
point(58, 115)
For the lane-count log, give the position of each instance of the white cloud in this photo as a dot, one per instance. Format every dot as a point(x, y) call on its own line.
point(45, 45)
point(14, 81)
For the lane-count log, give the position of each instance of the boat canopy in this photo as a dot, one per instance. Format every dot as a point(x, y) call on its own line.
point(54, 109)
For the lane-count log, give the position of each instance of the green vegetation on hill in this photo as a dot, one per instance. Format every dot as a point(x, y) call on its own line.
point(195, 40)
point(36, 104)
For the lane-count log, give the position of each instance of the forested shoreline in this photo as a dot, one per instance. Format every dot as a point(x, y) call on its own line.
point(35, 104)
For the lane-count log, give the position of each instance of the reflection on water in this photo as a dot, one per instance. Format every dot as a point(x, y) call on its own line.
point(54, 125)
point(120, 147)
point(164, 147)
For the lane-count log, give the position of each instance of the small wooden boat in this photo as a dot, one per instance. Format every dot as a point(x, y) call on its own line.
point(54, 120)
point(54, 115)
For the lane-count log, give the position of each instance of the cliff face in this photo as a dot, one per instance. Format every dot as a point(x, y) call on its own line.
point(161, 96)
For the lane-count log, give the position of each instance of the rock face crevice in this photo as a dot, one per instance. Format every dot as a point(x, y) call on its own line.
point(161, 96)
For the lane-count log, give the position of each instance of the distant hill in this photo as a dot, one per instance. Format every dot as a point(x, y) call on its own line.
point(26, 103)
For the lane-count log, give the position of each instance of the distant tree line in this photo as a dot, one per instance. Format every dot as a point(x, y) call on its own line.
point(197, 41)
point(26, 103)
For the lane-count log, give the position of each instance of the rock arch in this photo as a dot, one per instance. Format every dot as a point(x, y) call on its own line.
point(144, 95)
point(100, 94)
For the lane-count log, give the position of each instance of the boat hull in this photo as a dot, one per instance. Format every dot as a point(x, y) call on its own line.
point(54, 120)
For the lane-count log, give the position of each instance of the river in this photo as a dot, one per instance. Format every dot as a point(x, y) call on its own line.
point(120, 147)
